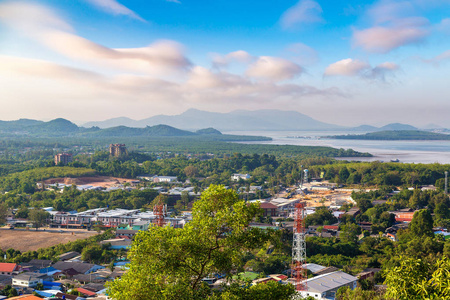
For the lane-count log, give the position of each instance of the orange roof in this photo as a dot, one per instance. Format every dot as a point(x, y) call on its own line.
point(86, 292)
point(7, 267)
point(266, 205)
point(25, 297)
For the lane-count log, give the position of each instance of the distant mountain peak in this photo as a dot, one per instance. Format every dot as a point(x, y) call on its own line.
point(238, 120)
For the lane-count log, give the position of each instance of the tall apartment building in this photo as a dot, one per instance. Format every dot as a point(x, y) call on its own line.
point(117, 150)
point(63, 158)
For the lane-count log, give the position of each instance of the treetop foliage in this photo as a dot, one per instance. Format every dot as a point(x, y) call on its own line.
point(169, 263)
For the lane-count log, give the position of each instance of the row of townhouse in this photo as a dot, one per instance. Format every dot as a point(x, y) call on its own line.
point(109, 218)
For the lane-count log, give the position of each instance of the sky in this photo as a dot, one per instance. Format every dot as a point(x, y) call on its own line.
point(342, 62)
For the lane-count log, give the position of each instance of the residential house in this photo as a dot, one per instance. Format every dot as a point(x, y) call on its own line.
point(8, 268)
point(80, 267)
point(124, 233)
point(140, 225)
point(27, 279)
point(237, 177)
point(270, 210)
point(167, 179)
point(404, 215)
point(68, 255)
point(117, 244)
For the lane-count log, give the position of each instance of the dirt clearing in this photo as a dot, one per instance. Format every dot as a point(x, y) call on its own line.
point(33, 240)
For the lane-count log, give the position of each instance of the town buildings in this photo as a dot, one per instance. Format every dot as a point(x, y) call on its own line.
point(63, 158)
point(117, 150)
point(130, 219)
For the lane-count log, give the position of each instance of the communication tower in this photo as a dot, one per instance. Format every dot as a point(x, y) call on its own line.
point(299, 249)
point(159, 210)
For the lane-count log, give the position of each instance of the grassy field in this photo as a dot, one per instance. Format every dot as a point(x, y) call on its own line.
point(33, 240)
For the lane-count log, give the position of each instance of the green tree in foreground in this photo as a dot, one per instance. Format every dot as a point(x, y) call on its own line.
point(345, 293)
point(169, 263)
point(416, 279)
point(267, 291)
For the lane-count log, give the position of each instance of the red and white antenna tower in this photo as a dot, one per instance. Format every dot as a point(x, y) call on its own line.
point(299, 249)
point(159, 210)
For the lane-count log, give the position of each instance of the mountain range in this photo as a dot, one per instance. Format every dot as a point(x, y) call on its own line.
point(62, 128)
point(191, 123)
point(245, 120)
point(239, 120)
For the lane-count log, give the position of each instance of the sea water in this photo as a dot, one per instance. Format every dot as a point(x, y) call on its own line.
point(411, 151)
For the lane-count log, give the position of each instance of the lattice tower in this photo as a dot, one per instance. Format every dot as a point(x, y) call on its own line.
point(299, 249)
point(159, 210)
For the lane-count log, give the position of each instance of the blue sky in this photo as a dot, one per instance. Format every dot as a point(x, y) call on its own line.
point(345, 62)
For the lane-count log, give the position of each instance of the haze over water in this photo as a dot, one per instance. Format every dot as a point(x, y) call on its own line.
point(405, 151)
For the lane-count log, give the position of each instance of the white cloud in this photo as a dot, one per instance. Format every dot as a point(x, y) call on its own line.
point(236, 56)
point(388, 10)
point(47, 28)
point(139, 78)
point(48, 82)
point(385, 39)
point(115, 8)
point(31, 18)
point(346, 67)
point(355, 67)
point(394, 26)
point(302, 54)
point(273, 68)
point(305, 11)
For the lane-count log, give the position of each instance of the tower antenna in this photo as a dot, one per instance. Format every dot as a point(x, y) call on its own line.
point(299, 249)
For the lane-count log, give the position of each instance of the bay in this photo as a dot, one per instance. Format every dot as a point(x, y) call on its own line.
point(410, 151)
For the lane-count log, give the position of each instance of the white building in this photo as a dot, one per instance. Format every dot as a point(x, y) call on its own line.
point(165, 179)
point(325, 286)
point(26, 280)
point(236, 177)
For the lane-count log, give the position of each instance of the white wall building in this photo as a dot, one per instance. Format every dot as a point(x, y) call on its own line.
point(236, 177)
point(325, 286)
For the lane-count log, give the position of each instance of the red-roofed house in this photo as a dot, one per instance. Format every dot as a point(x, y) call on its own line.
point(269, 209)
point(402, 216)
point(8, 268)
point(278, 277)
point(86, 292)
point(331, 227)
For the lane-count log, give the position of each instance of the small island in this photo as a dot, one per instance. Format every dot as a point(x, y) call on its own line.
point(395, 135)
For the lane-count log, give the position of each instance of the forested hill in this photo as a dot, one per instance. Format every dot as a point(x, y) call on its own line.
point(395, 135)
point(64, 128)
